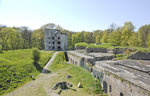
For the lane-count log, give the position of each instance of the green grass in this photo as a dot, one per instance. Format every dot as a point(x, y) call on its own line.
point(82, 44)
point(104, 45)
point(90, 85)
point(16, 68)
point(121, 56)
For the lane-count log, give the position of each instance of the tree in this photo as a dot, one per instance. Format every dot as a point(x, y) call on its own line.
point(26, 35)
point(148, 41)
point(97, 34)
point(143, 35)
point(38, 38)
point(127, 30)
point(98, 39)
point(115, 36)
point(104, 38)
point(133, 41)
point(10, 39)
point(35, 54)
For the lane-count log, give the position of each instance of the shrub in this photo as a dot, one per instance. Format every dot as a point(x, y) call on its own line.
point(36, 54)
point(82, 44)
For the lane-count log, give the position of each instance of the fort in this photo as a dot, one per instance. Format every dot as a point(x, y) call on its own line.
point(117, 77)
point(129, 77)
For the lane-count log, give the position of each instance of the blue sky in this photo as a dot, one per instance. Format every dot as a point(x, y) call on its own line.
point(74, 15)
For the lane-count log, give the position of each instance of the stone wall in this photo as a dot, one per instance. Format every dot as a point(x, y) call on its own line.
point(80, 60)
point(89, 50)
point(140, 56)
point(79, 47)
point(116, 86)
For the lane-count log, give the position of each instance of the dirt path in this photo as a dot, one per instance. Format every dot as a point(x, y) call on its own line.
point(38, 87)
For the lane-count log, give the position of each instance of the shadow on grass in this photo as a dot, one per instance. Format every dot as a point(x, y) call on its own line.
point(40, 69)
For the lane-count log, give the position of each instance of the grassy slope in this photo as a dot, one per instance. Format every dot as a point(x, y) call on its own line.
point(16, 68)
point(90, 85)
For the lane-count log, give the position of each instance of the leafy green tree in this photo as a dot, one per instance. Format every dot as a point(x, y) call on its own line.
point(11, 39)
point(143, 35)
point(133, 41)
point(148, 41)
point(115, 36)
point(97, 34)
point(35, 54)
point(127, 31)
point(26, 35)
point(98, 39)
point(38, 38)
point(104, 39)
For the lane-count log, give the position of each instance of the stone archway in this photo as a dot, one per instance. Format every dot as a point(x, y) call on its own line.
point(82, 61)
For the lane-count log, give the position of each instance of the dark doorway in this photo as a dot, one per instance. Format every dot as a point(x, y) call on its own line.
point(105, 86)
point(121, 94)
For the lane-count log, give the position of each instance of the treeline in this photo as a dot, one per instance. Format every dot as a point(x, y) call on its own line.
point(12, 38)
point(121, 36)
point(23, 38)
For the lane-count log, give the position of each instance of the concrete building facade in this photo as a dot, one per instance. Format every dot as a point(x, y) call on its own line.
point(55, 40)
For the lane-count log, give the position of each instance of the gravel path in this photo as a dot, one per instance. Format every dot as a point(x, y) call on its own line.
point(38, 87)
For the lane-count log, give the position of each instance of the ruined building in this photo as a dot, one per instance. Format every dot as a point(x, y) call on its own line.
point(118, 78)
point(55, 40)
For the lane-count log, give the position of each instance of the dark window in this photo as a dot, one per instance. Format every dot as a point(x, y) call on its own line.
point(53, 47)
point(49, 38)
point(58, 37)
point(110, 88)
point(53, 42)
point(49, 47)
point(58, 42)
point(49, 42)
point(105, 86)
point(59, 47)
point(53, 38)
point(121, 94)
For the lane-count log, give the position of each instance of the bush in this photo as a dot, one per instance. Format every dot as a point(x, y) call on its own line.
point(36, 54)
point(82, 44)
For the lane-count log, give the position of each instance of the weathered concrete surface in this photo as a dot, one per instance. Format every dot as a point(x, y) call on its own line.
point(124, 77)
point(101, 56)
point(140, 56)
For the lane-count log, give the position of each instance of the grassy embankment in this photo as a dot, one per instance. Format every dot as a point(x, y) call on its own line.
point(17, 68)
point(90, 85)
